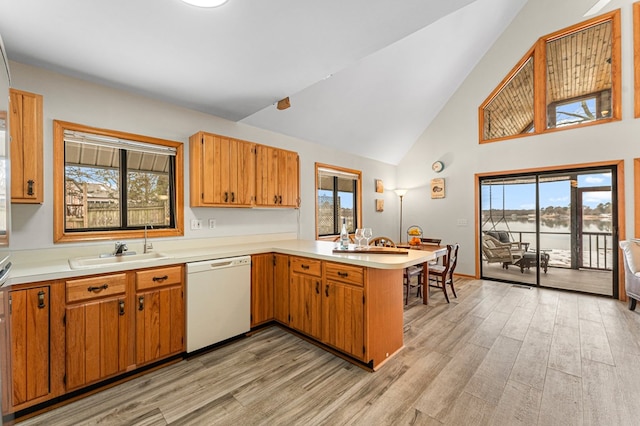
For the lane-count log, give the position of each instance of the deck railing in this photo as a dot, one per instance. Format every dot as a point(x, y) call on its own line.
point(597, 248)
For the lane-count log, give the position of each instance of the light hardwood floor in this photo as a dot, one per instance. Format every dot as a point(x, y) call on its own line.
point(498, 355)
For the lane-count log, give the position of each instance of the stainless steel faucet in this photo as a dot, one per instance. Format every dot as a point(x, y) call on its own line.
point(120, 248)
point(147, 246)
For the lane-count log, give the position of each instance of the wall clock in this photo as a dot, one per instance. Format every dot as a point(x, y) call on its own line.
point(437, 166)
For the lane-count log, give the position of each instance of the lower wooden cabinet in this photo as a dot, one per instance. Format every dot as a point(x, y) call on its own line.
point(159, 314)
point(97, 334)
point(343, 318)
point(65, 335)
point(269, 288)
point(29, 341)
point(305, 301)
point(281, 288)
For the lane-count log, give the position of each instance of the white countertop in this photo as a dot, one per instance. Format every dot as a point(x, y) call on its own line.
point(39, 266)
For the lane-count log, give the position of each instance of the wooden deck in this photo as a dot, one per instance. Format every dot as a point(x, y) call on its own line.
point(582, 280)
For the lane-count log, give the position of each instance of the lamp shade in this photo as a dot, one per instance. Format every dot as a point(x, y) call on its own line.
point(205, 3)
point(400, 192)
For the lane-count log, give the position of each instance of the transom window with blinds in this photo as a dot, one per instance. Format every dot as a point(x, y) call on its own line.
point(113, 182)
point(338, 196)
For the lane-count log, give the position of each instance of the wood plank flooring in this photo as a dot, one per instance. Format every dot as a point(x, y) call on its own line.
point(497, 355)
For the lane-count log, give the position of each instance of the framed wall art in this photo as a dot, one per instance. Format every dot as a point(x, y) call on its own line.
point(437, 188)
point(379, 205)
point(379, 186)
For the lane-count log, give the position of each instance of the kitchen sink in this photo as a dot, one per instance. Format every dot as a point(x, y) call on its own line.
point(98, 260)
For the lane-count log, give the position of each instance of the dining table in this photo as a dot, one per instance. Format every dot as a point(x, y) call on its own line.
point(439, 252)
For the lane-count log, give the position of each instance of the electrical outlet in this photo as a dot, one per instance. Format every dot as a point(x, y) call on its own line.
point(196, 224)
point(212, 224)
point(462, 222)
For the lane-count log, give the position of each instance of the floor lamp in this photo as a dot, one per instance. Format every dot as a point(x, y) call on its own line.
point(401, 193)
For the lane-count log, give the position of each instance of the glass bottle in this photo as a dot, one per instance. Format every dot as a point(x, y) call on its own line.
point(344, 235)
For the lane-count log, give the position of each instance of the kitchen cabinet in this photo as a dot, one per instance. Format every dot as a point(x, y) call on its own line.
point(159, 313)
point(25, 122)
point(222, 171)
point(305, 301)
point(277, 177)
point(262, 288)
point(29, 340)
point(281, 288)
point(343, 304)
point(97, 329)
point(269, 288)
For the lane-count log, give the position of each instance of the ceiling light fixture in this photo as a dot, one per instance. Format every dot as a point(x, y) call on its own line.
point(205, 3)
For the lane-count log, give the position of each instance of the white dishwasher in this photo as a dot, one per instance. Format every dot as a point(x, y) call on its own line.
point(218, 300)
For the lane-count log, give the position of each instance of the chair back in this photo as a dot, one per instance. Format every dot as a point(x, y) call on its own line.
point(452, 256)
point(382, 242)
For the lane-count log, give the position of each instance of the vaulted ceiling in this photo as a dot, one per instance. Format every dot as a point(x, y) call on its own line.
point(363, 76)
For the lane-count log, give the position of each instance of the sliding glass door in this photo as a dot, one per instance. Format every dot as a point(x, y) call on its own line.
point(552, 229)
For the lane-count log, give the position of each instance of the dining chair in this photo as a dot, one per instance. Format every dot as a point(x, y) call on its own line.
point(441, 275)
point(408, 275)
point(382, 242)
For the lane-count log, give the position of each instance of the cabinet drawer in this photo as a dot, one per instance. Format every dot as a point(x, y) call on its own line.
point(344, 273)
point(95, 287)
point(303, 265)
point(158, 277)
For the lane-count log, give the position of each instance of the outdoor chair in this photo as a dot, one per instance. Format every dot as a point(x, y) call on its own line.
point(495, 251)
point(504, 237)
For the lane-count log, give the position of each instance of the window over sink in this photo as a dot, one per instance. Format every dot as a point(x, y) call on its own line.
point(111, 184)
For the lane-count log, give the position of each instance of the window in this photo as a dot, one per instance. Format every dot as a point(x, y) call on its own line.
point(338, 196)
point(113, 184)
point(569, 78)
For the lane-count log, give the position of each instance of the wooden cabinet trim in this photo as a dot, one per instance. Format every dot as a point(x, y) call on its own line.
point(306, 266)
point(158, 277)
point(96, 287)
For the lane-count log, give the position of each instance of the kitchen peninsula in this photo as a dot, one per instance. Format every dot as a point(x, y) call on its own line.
point(350, 304)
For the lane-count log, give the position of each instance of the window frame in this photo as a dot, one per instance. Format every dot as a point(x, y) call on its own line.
point(59, 231)
point(538, 53)
point(358, 198)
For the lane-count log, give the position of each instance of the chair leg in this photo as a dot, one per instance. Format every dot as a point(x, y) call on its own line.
point(444, 289)
point(453, 289)
point(632, 304)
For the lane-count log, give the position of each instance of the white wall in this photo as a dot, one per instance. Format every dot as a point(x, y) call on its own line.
point(453, 135)
point(78, 101)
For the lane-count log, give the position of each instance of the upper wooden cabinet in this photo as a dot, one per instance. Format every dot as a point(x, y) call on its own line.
point(222, 171)
point(25, 123)
point(277, 177)
point(227, 172)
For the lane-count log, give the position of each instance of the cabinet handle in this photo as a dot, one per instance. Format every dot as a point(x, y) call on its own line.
point(226, 196)
point(317, 287)
point(280, 199)
point(343, 274)
point(141, 303)
point(97, 289)
point(162, 278)
point(303, 266)
point(233, 197)
point(30, 184)
point(41, 304)
point(275, 199)
point(326, 290)
point(121, 307)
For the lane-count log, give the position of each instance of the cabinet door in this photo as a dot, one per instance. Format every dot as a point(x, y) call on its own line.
point(215, 169)
point(262, 291)
point(306, 304)
point(343, 318)
point(242, 179)
point(97, 341)
point(29, 311)
point(288, 176)
point(159, 324)
point(267, 176)
point(26, 147)
point(281, 288)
